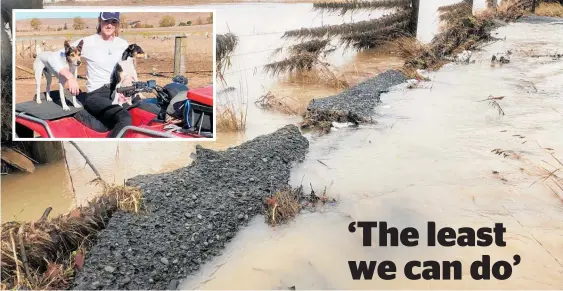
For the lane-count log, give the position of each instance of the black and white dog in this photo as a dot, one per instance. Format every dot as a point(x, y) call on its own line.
point(41, 66)
point(125, 72)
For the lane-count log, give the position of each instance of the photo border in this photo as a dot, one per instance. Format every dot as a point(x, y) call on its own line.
point(165, 9)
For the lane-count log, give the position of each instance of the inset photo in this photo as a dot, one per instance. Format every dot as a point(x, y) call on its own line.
point(92, 74)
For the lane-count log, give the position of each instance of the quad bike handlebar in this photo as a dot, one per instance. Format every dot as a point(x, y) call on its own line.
point(138, 87)
point(162, 95)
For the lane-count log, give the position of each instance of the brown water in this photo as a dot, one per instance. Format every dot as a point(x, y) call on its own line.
point(259, 36)
point(428, 158)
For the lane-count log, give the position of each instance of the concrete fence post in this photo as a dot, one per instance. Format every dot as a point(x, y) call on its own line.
point(180, 50)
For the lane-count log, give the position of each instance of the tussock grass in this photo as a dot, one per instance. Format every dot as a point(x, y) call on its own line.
point(355, 5)
point(463, 34)
point(232, 111)
point(330, 31)
point(374, 38)
point(229, 120)
point(550, 9)
point(303, 57)
point(296, 63)
point(310, 66)
point(456, 6)
point(510, 10)
point(284, 205)
point(408, 47)
point(460, 10)
point(45, 253)
point(225, 46)
point(314, 46)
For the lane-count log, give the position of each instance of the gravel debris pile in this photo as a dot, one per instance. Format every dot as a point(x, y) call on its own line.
point(355, 104)
point(191, 214)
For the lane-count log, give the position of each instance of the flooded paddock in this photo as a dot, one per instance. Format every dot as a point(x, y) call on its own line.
point(429, 158)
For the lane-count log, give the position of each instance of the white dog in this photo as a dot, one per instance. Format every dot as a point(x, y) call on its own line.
point(71, 59)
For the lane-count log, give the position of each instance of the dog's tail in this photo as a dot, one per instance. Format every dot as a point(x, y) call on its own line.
point(38, 50)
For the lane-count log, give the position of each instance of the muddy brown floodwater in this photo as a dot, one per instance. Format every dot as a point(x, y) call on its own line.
point(259, 36)
point(428, 159)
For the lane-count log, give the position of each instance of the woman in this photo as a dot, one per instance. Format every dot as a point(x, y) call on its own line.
point(102, 51)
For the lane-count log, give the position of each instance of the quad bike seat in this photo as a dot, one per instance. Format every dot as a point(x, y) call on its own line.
point(52, 112)
point(49, 110)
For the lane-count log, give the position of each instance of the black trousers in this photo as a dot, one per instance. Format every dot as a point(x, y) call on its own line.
point(98, 103)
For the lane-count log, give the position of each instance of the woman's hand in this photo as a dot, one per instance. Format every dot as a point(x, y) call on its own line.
point(71, 81)
point(172, 120)
point(73, 86)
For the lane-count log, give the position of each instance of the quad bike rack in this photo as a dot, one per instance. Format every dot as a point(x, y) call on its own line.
point(34, 119)
point(145, 131)
point(119, 135)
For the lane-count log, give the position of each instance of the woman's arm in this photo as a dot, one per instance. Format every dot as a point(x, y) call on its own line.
point(57, 63)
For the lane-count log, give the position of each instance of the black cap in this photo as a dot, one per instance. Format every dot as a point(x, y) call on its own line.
point(109, 15)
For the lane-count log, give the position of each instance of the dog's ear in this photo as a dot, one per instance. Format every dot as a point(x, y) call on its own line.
point(79, 47)
point(67, 45)
point(132, 47)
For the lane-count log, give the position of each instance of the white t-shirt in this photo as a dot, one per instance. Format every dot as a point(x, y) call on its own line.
point(101, 57)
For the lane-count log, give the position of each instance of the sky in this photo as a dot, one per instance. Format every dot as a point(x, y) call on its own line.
point(70, 14)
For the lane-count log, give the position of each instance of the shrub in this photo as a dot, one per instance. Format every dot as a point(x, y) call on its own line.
point(167, 21)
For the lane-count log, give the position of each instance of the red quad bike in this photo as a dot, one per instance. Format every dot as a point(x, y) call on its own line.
point(49, 120)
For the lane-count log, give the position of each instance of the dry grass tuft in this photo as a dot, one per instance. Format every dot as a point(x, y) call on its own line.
point(355, 5)
point(287, 203)
point(408, 47)
point(229, 119)
point(456, 11)
point(272, 102)
point(556, 180)
point(50, 250)
point(464, 34)
point(232, 112)
point(550, 9)
point(308, 57)
point(315, 46)
point(283, 206)
point(510, 10)
point(295, 63)
point(349, 28)
point(373, 38)
point(225, 46)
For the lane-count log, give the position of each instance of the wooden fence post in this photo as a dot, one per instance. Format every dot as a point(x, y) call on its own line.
point(180, 55)
point(414, 16)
